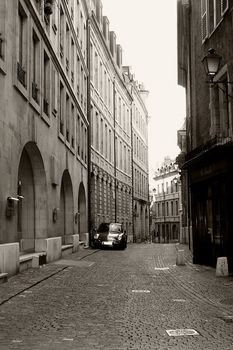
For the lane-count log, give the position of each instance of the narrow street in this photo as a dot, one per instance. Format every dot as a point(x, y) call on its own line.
point(117, 300)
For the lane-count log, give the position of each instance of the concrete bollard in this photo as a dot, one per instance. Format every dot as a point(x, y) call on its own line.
point(180, 257)
point(222, 267)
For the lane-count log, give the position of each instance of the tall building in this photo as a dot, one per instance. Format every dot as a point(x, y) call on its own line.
point(165, 206)
point(141, 204)
point(43, 127)
point(205, 25)
point(118, 113)
point(66, 149)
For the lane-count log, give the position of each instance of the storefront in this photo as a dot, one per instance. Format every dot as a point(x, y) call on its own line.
point(210, 181)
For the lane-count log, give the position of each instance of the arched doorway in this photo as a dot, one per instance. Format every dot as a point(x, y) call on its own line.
point(32, 191)
point(66, 217)
point(82, 228)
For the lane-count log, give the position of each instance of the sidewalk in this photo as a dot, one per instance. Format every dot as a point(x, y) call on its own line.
point(28, 278)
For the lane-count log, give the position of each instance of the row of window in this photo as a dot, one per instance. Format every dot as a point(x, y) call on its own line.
point(212, 12)
point(168, 208)
point(140, 183)
point(100, 78)
point(122, 114)
point(138, 121)
point(170, 187)
point(71, 126)
point(40, 58)
point(139, 149)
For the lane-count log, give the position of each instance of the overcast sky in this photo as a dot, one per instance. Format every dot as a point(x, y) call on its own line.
point(147, 32)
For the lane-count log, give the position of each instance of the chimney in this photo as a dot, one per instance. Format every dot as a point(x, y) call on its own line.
point(106, 29)
point(99, 10)
point(119, 56)
point(113, 44)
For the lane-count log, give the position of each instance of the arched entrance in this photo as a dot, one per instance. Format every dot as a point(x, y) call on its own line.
point(32, 192)
point(66, 217)
point(82, 223)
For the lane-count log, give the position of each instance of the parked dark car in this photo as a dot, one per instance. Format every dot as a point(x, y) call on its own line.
point(110, 235)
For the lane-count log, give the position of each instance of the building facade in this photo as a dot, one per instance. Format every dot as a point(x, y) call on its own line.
point(66, 148)
point(43, 127)
point(114, 95)
point(141, 204)
point(208, 158)
point(165, 205)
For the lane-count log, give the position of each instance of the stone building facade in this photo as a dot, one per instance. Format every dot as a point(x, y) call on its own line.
point(114, 94)
point(43, 127)
point(166, 206)
point(65, 128)
point(208, 158)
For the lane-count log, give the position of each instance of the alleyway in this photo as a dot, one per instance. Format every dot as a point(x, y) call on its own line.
point(118, 300)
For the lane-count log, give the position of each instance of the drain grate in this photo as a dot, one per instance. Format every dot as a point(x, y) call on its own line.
point(181, 332)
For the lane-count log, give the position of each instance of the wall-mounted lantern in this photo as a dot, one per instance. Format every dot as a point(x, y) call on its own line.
point(11, 205)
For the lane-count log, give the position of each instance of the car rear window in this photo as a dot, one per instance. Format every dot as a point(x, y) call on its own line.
point(103, 227)
point(115, 227)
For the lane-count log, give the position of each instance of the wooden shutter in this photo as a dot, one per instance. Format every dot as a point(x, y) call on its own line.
point(204, 21)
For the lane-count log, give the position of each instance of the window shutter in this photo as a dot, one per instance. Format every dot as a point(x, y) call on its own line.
point(204, 24)
point(224, 6)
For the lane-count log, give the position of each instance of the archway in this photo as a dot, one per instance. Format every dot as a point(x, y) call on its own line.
point(82, 210)
point(32, 191)
point(66, 217)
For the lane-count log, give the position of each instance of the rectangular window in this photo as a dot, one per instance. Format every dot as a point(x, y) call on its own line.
point(67, 118)
point(35, 66)
point(22, 46)
point(78, 135)
point(106, 141)
point(72, 130)
point(46, 84)
point(110, 145)
point(61, 110)
point(82, 141)
point(101, 136)
point(61, 34)
point(97, 131)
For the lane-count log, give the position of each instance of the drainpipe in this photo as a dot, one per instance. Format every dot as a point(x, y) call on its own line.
point(132, 168)
point(89, 131)
point(114, 143)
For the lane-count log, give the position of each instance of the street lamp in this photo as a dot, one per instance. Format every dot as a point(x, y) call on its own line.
point(212, 63)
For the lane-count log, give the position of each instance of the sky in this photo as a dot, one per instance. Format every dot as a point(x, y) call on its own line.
point(147, 32)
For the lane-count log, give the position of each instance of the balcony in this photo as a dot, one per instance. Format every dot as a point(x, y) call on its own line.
point(21, 74)
point(209, 145)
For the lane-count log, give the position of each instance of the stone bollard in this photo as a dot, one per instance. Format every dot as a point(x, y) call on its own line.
point(222, 267)
point(180, 257)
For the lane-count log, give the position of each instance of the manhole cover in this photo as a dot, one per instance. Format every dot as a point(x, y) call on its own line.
point(228, 301)
point(79, 263)
point(181, 332)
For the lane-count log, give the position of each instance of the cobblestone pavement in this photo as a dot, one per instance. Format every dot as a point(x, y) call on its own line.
point(117, 300)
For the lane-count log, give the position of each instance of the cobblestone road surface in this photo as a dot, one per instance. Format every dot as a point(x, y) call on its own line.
point(117, 300)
